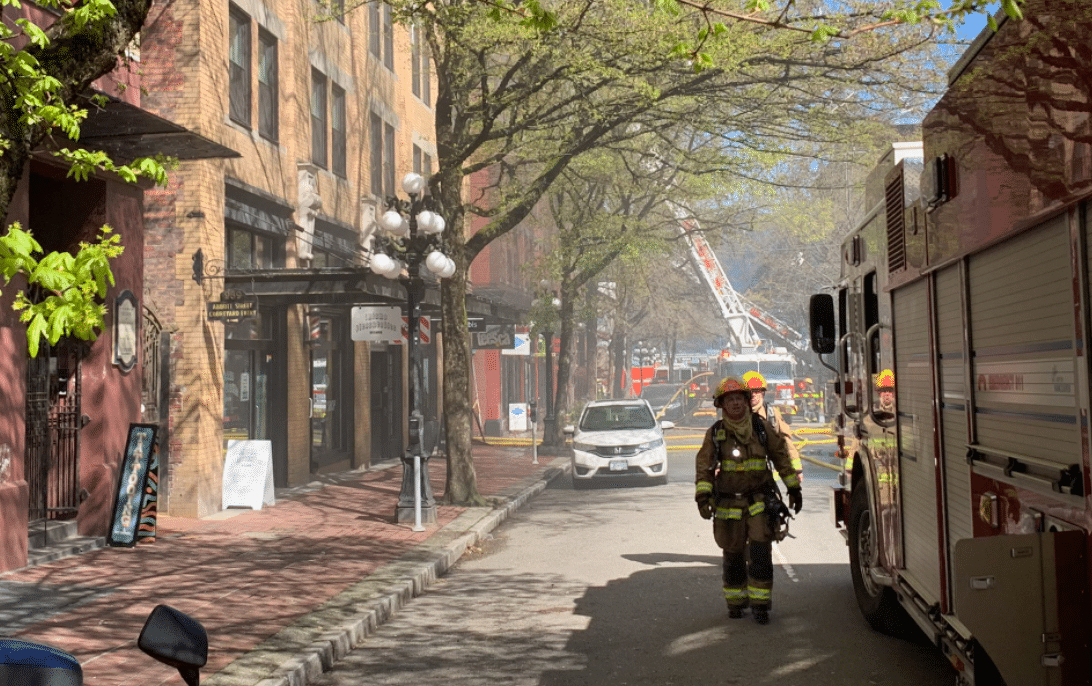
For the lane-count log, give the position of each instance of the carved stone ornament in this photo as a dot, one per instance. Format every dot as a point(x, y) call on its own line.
point(308, 205)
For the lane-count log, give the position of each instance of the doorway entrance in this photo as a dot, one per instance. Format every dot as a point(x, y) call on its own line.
point(386, 403)
point(53, 423)
point(331, 371)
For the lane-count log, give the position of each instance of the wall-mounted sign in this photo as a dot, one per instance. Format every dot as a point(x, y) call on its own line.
point(377, 324)
point(125, 331)
point(495, 337)
point(233, 310)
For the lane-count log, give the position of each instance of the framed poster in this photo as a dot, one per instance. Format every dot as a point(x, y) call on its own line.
point(125, 331)
point(132, 483)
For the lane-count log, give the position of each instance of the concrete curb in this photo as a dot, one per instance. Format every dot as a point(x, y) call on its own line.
point(293, 657)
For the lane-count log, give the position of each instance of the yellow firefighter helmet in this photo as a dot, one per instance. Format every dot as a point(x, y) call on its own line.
point(754, 381)
point(729, 384)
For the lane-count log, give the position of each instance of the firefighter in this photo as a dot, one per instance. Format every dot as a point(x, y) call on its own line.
point(735, 488)
point(756, 384)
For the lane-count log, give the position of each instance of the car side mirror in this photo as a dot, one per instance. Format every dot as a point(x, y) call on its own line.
point(569, 430)
point(176, 639)
point(665, 424)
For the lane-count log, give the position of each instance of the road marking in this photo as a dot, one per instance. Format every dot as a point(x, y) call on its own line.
point(785, 564)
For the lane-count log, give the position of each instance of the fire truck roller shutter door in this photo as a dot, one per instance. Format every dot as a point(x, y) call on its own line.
point(916, 477)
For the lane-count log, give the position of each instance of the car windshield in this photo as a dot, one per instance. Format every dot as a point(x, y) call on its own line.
point(654, 394)
point(616, 417)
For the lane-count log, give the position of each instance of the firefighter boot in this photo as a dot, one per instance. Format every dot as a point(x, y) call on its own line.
point(762, 614)
point(735, 612)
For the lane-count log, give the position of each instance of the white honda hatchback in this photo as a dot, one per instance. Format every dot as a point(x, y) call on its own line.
point(618, 440)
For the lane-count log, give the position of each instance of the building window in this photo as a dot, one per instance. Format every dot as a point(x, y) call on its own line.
point(421, 67)
point(381, 33)
point(239, 61)
point(388, 161)
point(248, 249)
point(422, 162)
point(337, 131)
point(318, 118)
point(267, 85)
point(382, 156)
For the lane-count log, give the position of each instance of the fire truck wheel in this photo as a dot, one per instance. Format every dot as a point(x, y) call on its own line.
point(879, 604)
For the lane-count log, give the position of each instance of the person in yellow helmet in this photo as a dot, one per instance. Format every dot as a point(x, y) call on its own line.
point(756, 384)
point(735, 488)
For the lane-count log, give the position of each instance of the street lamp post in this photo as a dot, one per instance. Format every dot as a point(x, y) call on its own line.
point(548, 305)
point(413, 238)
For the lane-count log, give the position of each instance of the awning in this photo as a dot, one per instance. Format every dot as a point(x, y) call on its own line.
point(353, 286)
point(126, 132)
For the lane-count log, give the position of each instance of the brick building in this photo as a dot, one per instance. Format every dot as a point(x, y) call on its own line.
point(65, 413)
point(328, 114)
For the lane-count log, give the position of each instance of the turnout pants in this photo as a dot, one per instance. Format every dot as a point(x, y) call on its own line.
point(744, 536)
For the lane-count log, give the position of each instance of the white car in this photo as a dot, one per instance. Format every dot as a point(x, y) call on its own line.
point(618, 440)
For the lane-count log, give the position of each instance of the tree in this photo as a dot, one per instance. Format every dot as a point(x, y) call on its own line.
point(518, 100)
point(599, 215)
point(44, 96)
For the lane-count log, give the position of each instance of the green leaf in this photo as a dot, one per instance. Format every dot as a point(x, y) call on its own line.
point(33, 32)
point(35, 330)
point(1012, 9)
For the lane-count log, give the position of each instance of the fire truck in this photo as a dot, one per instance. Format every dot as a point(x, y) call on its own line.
point(750, 351)
point(958, 335)
point(778, 368)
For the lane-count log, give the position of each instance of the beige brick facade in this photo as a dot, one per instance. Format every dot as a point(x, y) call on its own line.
point(185, 62)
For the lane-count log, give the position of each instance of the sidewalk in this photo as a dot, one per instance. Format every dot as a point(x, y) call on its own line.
point(282, 592)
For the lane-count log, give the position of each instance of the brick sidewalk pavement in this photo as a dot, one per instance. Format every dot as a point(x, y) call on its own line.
point(250, 576)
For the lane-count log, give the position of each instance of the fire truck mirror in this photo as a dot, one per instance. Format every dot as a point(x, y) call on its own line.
point(821, 321)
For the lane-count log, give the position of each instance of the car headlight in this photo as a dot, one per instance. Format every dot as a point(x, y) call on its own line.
point(651, 444)
point(585, 447)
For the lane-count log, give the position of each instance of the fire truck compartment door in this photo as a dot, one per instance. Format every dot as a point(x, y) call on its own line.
point(1025, 599)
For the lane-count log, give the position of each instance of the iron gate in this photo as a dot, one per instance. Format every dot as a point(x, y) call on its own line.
point(53, 431)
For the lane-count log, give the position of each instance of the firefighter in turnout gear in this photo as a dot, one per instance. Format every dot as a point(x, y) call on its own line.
point(756, 384)
point(735, 488)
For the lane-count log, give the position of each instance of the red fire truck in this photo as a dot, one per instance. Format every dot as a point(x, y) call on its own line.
point(959, 336)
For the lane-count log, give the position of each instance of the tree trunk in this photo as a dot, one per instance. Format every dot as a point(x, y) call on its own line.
point(554, 436)
point(461, 487)
point(619, 350)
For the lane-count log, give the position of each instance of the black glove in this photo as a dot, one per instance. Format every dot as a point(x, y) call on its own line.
point(705, 508)
point(796, 499)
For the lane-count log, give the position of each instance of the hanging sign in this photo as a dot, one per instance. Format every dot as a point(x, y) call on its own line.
point(377, 324)
point(495, 337)
point(521, 342)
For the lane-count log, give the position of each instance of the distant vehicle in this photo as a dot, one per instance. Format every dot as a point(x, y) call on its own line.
point(668, 401)
point(779, 369)
point(618, 440)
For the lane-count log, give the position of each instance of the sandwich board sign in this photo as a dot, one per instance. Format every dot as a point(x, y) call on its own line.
point(248, 475)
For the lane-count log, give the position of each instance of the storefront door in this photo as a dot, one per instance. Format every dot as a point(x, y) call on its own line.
point(386, 401)
point(331, 391)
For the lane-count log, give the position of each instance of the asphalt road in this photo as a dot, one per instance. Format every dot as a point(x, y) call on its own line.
point(621, 586)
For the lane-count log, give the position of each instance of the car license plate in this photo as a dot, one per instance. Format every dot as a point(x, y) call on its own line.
point(619, 465)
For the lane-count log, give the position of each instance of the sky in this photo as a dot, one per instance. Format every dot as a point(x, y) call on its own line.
point(974, 23)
